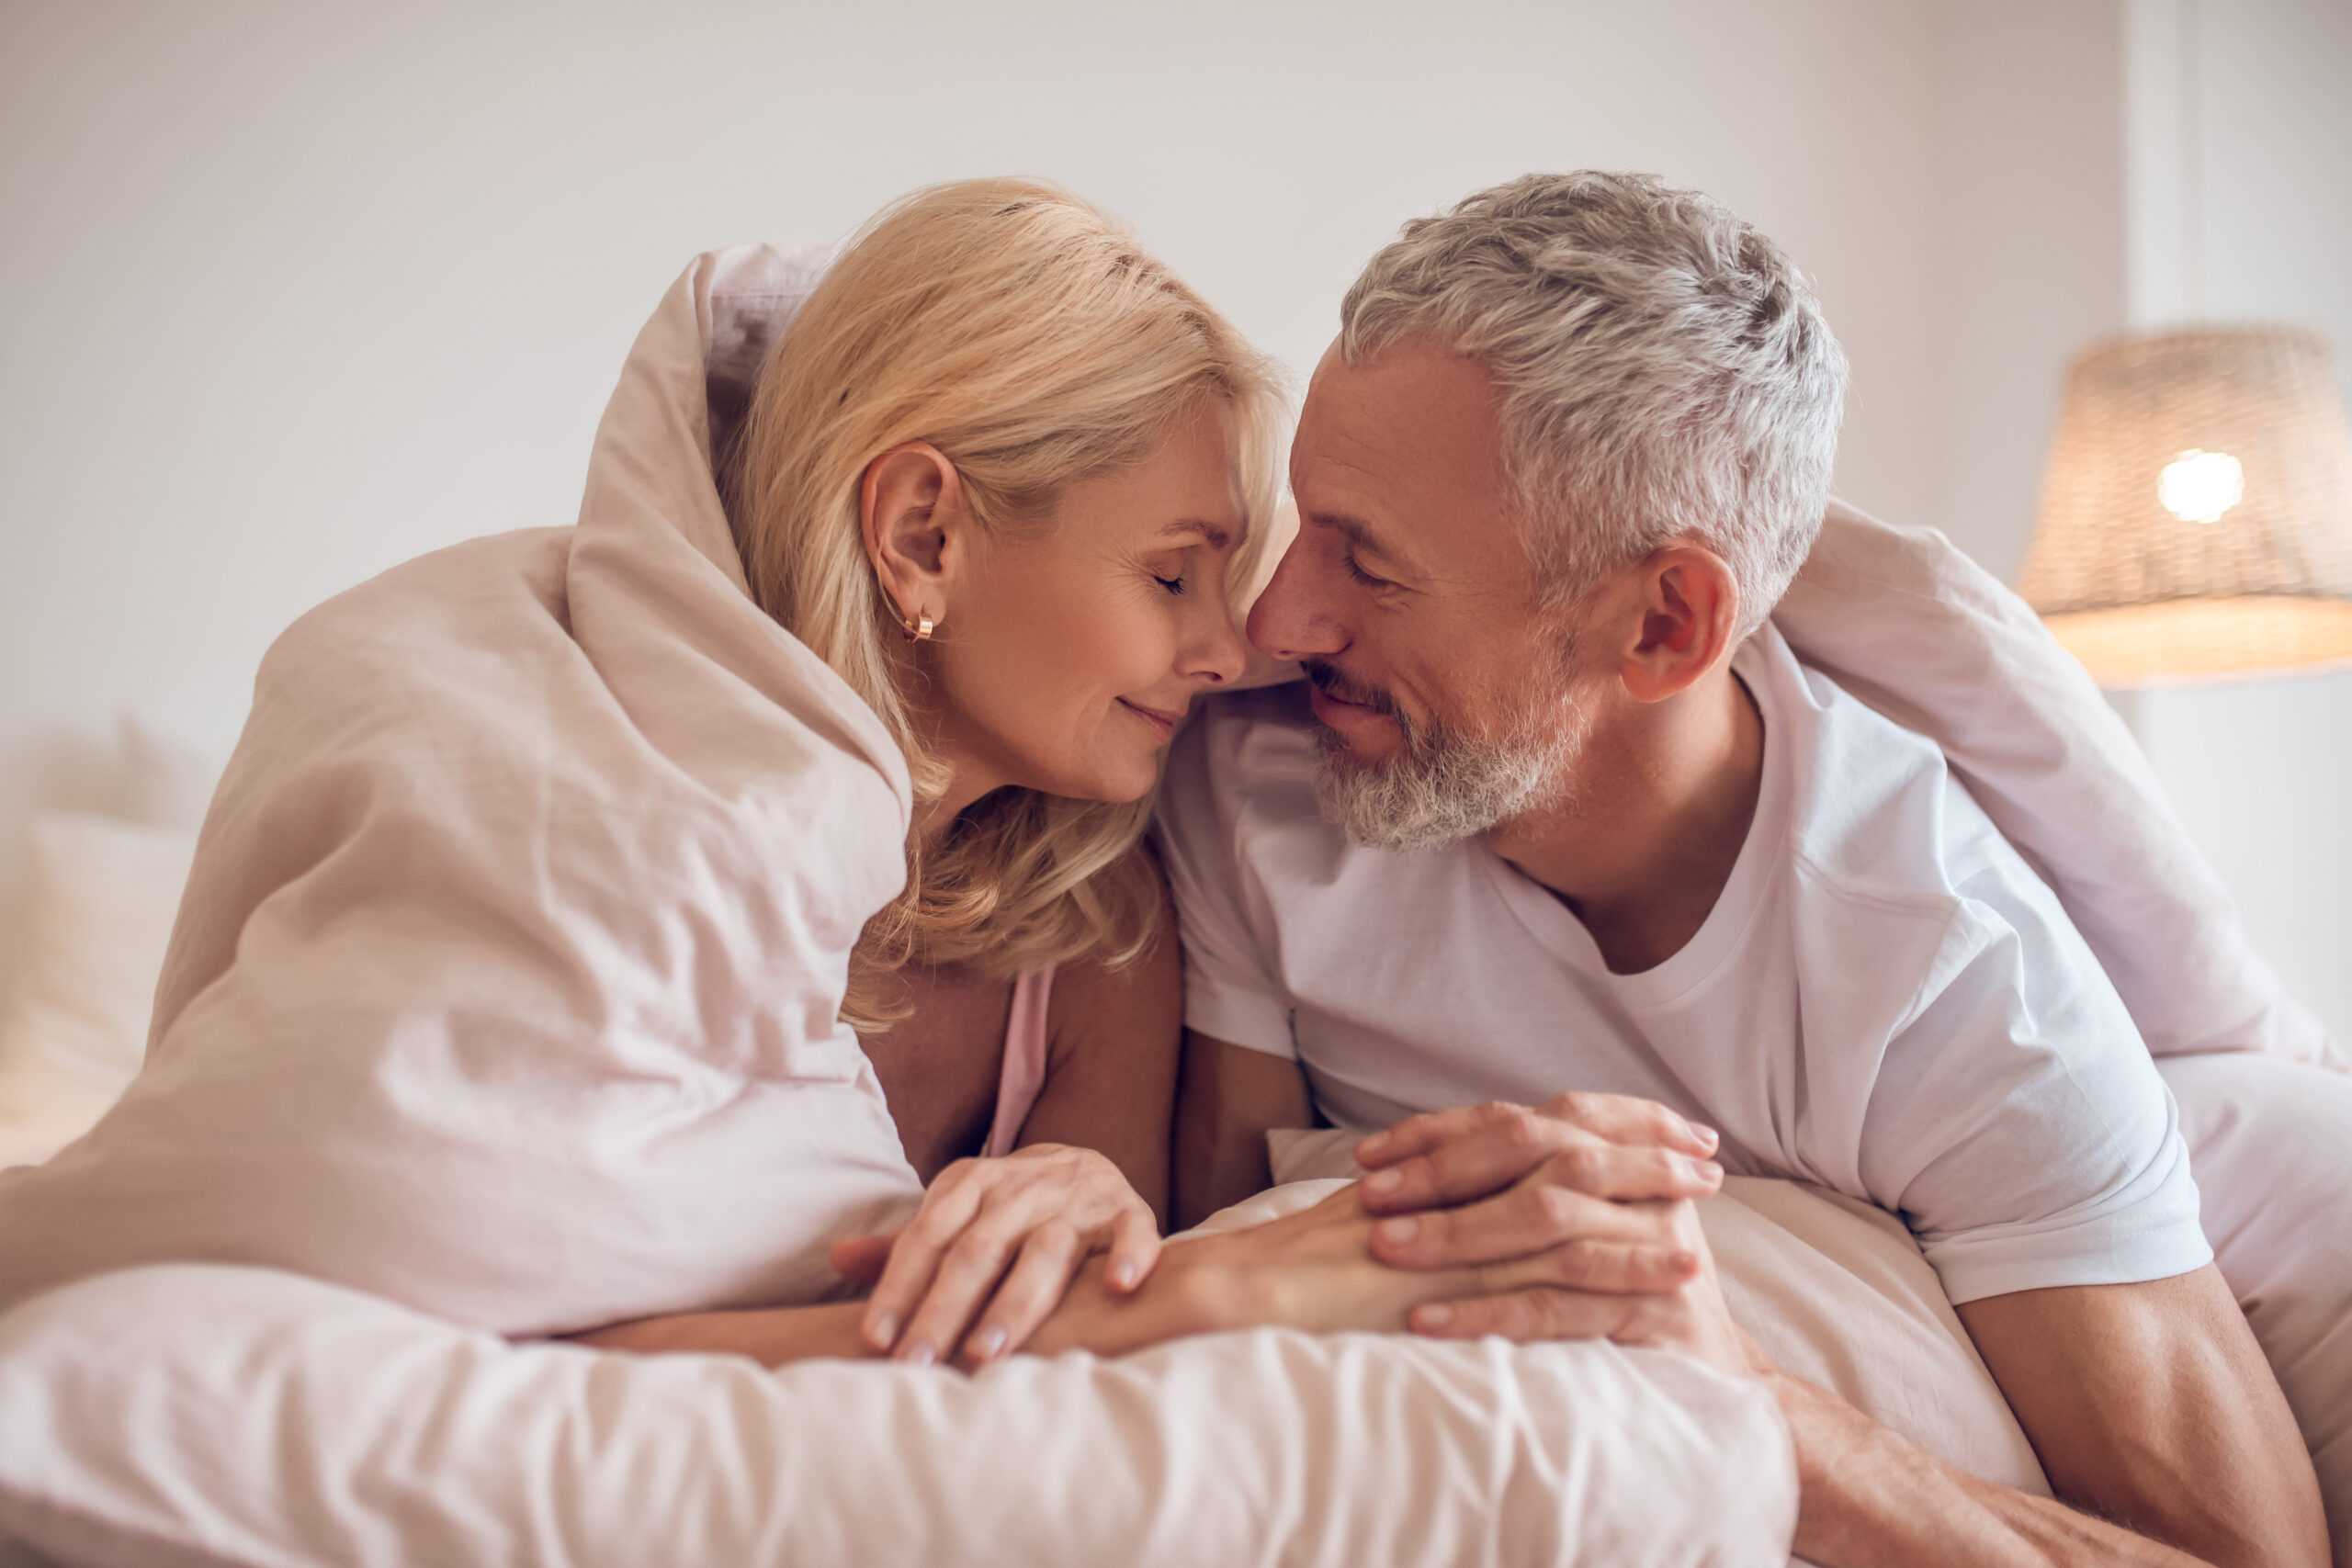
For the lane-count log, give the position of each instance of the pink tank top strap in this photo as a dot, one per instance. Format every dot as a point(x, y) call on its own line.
point(1023, 1077)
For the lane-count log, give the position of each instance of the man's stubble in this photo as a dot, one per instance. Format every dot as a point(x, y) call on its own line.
point(1446, 784)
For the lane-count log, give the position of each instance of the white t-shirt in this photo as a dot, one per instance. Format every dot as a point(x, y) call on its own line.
point(1885, 1000)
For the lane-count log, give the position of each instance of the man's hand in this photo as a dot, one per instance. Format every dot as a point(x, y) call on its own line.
point(1579, 1214)
point(1599, 1181)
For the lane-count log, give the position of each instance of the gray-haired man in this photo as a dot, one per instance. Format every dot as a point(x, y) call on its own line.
point(1559, 809)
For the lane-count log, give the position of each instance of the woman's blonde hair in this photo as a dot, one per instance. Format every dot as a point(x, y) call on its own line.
point(1027, 337)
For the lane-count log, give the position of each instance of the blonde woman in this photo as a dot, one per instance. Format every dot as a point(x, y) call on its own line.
point(1002, 473)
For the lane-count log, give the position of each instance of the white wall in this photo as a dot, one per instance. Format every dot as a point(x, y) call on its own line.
point(2029, 215)
point(291, 292)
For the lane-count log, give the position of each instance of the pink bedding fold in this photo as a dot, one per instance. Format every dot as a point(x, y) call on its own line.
point(1908, 623)
point(506, 983)
point(267, 1420)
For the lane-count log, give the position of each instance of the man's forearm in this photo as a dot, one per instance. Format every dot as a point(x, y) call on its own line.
point(1870, 1497)
point(2153, 1403)
point(1226, 1102)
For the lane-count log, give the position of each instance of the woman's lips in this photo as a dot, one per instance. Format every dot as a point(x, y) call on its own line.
point(1165, 723)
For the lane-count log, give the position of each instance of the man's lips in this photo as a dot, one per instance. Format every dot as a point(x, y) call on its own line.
point(1335, 710)
point(1164, 722)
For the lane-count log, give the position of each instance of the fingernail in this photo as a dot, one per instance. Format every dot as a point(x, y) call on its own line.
point(1122, 1276)
point(1399, 1230)
point(1372, 1144)
point(1385, 1181)
point(1436, 1314)
point(1708, 1170)
point(1707, 1135)
point(882, 1332)
point(919, 1354)
point(1683, 1262)
point(988, 1342)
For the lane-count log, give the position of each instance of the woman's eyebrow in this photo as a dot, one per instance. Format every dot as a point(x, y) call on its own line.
point(1215, 537)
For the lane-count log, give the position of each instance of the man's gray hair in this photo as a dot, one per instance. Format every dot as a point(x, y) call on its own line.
point(1665, 370)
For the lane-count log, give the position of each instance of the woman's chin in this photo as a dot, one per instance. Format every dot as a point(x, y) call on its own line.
point(1127, 787)
point(1116, 783)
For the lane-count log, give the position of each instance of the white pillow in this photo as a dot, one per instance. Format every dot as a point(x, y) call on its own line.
point(105, 894)
point(1834, 1290)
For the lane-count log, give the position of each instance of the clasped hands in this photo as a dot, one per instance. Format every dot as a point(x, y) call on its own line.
point(1575, 1216)
point(1571, 1220)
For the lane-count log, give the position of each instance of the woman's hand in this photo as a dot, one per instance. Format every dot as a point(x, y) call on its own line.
point(999, 1241)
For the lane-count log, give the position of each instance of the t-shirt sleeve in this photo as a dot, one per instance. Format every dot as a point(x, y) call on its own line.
point(2017, 1123)
point(1230, 989)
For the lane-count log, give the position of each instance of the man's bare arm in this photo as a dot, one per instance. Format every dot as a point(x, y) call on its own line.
point(2152, 1405)
point(1227, 1099)
point(1870, 1497)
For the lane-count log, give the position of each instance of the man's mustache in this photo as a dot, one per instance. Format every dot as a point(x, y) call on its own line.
point(1329, 680)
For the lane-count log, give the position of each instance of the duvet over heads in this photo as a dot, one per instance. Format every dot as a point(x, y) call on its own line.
point(518, 973)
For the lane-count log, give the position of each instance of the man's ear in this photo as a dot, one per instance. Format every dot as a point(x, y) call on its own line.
point(910, 507)
point(1688, 607)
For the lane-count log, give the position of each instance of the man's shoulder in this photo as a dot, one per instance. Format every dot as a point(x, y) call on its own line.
point(1884, 836)
point(1877, 814)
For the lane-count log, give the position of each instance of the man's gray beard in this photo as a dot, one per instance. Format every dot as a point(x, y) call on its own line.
point(1444, 787)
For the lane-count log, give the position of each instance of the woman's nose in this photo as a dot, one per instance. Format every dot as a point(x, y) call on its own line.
point(1219, 656)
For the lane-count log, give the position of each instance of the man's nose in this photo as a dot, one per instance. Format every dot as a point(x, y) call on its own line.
point(1291, 619)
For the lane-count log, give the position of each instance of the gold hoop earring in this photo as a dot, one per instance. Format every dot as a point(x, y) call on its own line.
point(918, 628)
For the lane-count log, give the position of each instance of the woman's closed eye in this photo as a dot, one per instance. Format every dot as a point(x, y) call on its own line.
point(1175, 585)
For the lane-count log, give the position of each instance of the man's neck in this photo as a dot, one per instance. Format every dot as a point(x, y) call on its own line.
point(1665, 798)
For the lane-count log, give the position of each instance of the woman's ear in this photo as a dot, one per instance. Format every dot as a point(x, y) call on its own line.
point(911, 507)
point(1690, 607)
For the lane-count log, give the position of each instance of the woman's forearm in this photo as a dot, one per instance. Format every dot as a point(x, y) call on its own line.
point(1090, 1317)
point(772, 1336)
point(1312, 1270)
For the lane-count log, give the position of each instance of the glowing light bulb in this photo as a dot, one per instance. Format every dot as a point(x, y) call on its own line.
point(2200, 486)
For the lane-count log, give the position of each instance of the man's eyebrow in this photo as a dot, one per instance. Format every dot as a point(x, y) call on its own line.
point(1218, 538)
point(1357, 532)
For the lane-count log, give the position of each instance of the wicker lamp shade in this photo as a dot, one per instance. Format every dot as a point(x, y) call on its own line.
point(2197, 512)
